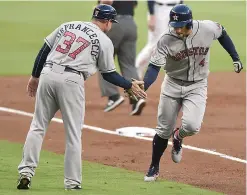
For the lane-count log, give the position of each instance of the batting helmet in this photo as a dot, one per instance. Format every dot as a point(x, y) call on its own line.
point(180, 16)
point(105, 12)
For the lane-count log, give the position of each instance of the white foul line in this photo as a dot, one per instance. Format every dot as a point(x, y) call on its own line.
point(19, 112)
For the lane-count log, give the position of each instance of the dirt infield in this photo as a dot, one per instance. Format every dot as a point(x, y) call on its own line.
point(223, 130)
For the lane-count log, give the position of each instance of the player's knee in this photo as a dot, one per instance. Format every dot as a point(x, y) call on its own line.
point(192, 127)
point(163, 132)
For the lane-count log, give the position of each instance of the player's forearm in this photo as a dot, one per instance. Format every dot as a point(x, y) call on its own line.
point(151, 7)
point(116, 79)
point(40, 60)
point(228, 45)
point(151, 75)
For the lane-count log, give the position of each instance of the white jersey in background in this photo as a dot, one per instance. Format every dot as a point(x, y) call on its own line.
point(162, 9)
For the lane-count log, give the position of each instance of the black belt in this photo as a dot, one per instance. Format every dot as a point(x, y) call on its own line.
point(67, 69)
point(167, 4)
point(184, 82)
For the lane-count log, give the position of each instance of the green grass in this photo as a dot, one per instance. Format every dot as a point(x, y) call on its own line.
point(25, 24)
point(97, 179)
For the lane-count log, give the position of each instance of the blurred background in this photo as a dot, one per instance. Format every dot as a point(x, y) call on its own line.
point(25, 24)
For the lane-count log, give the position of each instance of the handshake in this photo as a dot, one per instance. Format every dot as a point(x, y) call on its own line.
point(136, 91)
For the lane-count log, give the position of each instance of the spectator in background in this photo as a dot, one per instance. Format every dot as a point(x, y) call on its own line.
point(124, 37)
point(158, 18)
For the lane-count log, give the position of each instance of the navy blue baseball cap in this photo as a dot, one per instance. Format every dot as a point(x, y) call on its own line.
point(180, 16)
point(105, 12)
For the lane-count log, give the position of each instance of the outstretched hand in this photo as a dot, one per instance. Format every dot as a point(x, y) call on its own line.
point(136, 92)
point(32, 86)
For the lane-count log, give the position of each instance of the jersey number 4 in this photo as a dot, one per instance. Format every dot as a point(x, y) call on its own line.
point(68, 43)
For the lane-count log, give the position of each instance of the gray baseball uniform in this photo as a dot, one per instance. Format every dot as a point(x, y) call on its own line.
point(83, 47)
point(185, 85)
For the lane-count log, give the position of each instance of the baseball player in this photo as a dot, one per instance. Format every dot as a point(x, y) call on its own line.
point(183, 51)
point(158, 18)
point(71, 53)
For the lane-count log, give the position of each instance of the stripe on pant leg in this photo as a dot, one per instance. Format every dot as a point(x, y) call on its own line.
point(183, 133)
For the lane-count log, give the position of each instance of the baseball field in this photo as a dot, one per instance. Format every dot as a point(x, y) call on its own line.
point(214, 161)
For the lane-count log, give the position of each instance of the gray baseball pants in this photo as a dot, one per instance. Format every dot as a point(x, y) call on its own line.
point(176, 95)
point(57, 90)
point(123, 36)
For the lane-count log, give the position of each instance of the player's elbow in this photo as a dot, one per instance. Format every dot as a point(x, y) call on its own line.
point(224, 33)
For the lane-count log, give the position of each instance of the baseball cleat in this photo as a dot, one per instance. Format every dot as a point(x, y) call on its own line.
point(138, 107)
point(152, 174)
point(78, 187)
point(176, 152)
point(113, 104)
point(24, 183)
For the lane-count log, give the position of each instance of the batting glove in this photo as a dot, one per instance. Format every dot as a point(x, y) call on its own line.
point(238, 66)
